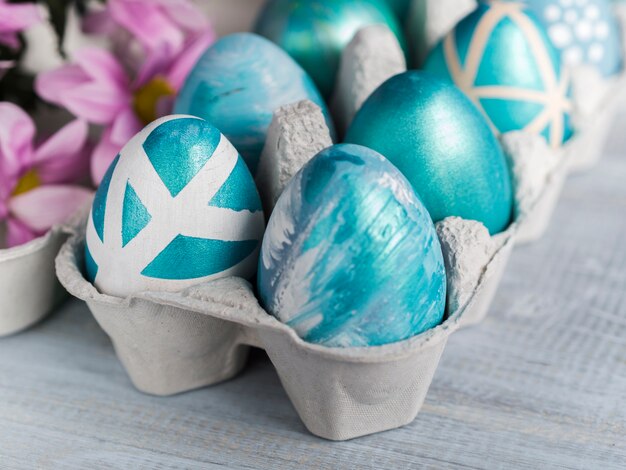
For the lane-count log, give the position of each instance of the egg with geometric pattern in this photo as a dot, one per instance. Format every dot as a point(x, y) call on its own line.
point(501, 57)
point(177, 207)
point(584, 31)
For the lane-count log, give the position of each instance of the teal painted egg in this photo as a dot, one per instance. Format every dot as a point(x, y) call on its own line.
point(237, 85)
point(350, 256)
point(502, 59)
point(439, 140)
point(584, 31)
point(177, 207)
point(400, 7)
point(315, 32)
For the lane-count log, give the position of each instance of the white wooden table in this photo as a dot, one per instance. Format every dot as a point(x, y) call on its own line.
point(540, 384)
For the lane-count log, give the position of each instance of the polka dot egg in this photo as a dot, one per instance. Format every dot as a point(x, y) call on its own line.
point(585, 31)
point(178, 206)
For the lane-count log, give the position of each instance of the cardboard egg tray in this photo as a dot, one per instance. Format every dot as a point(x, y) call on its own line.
point(29, 289)
point(174, 342)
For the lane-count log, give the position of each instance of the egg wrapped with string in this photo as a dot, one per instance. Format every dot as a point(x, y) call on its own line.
point(315, 32)
point(237, 85)
point(501, 57)
point(177, 207)
point(443, 145)
point(350, 256)
point(584, 31)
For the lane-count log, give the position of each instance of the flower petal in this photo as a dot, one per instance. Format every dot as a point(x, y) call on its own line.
point(94, 88)
point(125, 126)
point(17, 131)
point(18, 233)
point(52, 84)
point(156, 63)
point(46, 206)
point(63, 158)
point(148, 22)
point(185, 14)
point(188, 58)
point(102, 66)
point(113, 138)
point(17, 17)
point(95, 103)
point(98, 22)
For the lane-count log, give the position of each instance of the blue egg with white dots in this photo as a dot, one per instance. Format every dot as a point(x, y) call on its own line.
point(350, 257)
point(584, 32)
point(238, 84)
point(177, 207)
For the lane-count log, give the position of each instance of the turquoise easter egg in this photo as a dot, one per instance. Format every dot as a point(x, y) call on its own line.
point(350, 256)
point(502, 59)
point(177, 207)
point(439, 140)
point(315, 32)
point(400, 7)
point(237, 85)
point(584, 31)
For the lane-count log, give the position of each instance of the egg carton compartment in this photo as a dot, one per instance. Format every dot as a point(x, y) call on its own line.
point(28, 286)
point(175, 342)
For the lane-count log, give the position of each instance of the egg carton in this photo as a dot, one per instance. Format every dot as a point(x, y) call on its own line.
point(28, 286)
point(175, 342)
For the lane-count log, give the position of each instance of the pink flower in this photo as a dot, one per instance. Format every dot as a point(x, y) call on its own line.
point(96, 88)
point(36, 190)
point(148, 30)
point(15, 18)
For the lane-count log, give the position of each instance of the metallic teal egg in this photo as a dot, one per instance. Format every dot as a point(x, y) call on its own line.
point(439, 140)
point(400, 7)
point(315, 32)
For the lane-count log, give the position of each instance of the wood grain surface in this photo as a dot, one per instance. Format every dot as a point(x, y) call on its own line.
point(541, 384)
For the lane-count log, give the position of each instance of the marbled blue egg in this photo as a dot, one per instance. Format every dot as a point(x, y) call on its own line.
point(315, 32)
point(350, 256)
point(502, 59)
point(584, 31)
point(237, 85)
point(177, 207)
point(439, 140)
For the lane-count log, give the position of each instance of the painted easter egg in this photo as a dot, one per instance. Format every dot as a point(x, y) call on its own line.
point(439, 140)
point(501, 57)
point(350, 257)
point(400, 7)
point(584, 31)
point(237, 85)
point(315, 32)
point(177, 207)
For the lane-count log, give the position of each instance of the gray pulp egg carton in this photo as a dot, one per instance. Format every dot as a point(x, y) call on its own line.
point(29, 289)
point(175, 342)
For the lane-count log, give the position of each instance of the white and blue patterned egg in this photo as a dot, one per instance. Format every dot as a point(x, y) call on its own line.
point(584, 31)
point(350, 257)
point(177, 207)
